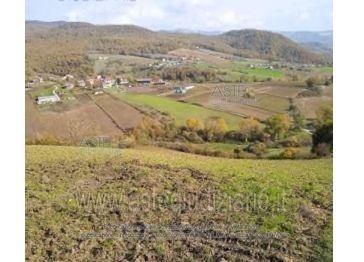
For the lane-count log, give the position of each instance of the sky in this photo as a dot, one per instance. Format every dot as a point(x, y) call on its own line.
point(195, 15)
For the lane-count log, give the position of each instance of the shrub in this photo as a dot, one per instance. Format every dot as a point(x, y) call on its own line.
point(192, 137)
point(193, 124)
point(126, 142)
point(304, 139)
point(290, 142)
point(322, 149)
point(46, 139)
point(257, 148)
point(237, 150)
point(289, 153)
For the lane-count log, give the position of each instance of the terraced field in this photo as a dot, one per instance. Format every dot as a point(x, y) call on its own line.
point(101, 204)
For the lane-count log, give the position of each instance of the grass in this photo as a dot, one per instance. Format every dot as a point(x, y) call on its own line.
point(260, 73)
point(48, 91)
point(291, 197)
point(232, 72)
point(272, 103)
point(180, 111)
point(325, 69)
point(221, 146)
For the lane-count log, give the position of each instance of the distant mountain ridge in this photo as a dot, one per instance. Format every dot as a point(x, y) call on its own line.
point(321, 41)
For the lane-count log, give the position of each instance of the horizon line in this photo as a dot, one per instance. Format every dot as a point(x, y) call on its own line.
point(176, 29)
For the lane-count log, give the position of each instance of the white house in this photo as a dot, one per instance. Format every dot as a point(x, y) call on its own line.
point(68, 77)
point(47, 99)
point(107, 83)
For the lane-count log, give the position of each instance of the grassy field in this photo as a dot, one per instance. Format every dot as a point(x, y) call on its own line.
point(72, 214)
point(260, 73)
point(42, 92)
point(180, 111)
point(232, 72)
point(272, 103)
point(325, 69)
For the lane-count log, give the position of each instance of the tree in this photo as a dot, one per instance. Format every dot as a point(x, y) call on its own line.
point(312, 81)
point(298, 119)
point(249, 127)
point(193, 124)
point(324, 115)
point(322, 139)
point(277, 125)
point(215, 127)
point(257, 148)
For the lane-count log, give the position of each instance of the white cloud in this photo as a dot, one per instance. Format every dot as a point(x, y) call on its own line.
point(75, 15)
point(304, 16)
point(213, 15)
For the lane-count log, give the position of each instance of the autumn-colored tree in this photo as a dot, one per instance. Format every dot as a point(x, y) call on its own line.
point(249, 127)
point(193, 124)
point(324, 115)
point(215, 127)
point(277, 125)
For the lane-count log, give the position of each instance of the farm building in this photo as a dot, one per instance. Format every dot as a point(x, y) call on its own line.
point(121, 81)
point(180, 90)
point(47, 99)
point(158, 82)
point(81, 83)
point(107, 83)
point(34, 81)
point(69, 86)
point(144, 81)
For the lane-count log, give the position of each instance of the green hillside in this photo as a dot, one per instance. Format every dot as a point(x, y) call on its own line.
point(78, 198)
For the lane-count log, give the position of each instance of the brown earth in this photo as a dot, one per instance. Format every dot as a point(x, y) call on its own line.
point(91, 119)
point(310, 105)
point(123, 115)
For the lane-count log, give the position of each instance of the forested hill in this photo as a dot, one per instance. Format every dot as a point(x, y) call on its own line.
point(270, 45)
point(58, 47)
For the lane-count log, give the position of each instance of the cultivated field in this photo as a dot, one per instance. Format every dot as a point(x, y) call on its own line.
point(123, 115)
point(212, 58)
point(179, 110)
point(99, 204)
point(270, 99)
point(310, 105)
point(107, 117)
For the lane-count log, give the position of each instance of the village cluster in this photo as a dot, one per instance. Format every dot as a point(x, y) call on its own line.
point(99, 83)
